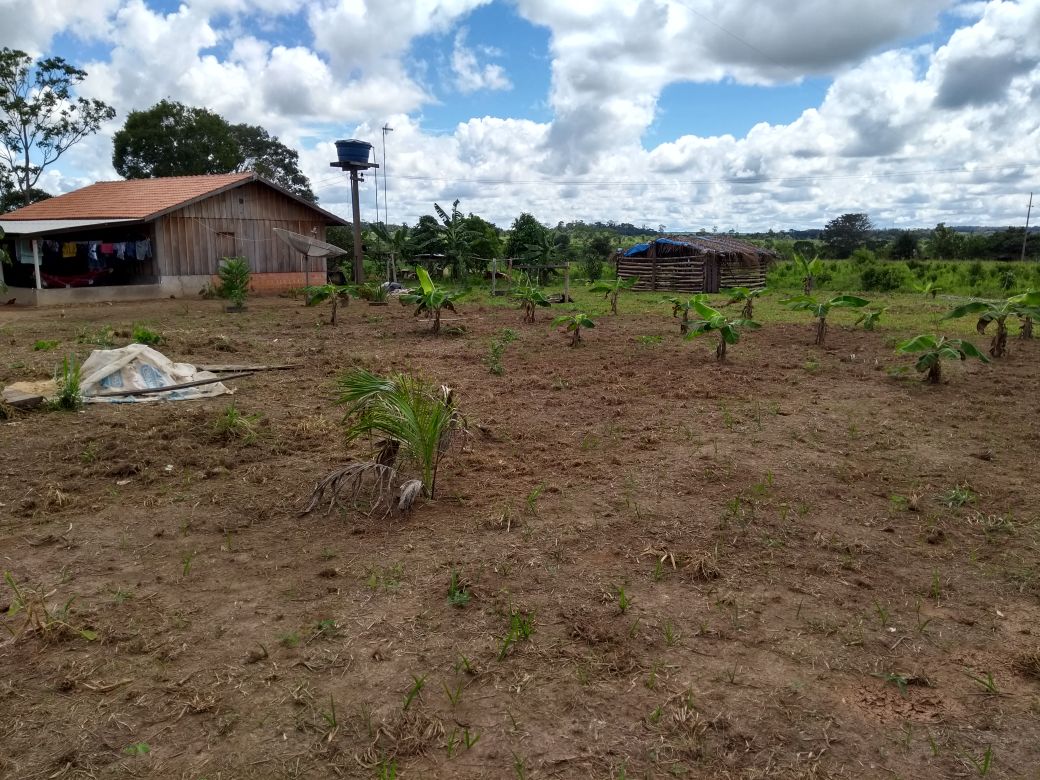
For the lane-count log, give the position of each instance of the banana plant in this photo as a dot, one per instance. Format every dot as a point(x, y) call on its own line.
point(681, 308)
point(820, 309)
point(809, 270)
point(929, 288)
point(429, 299)
point(529, 296)
point(747, 297)
point(315, 294)
point(1026, 305)
point(613, 288)
point(714, 321)
point(869, 319)
point(573, 323)
point(934, 349)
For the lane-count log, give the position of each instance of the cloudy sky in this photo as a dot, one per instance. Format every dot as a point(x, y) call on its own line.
point(685, 113)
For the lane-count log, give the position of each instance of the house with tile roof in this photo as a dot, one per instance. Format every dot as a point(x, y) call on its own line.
point(155, 238)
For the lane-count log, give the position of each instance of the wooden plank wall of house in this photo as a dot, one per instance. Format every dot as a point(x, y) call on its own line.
point(240, 222)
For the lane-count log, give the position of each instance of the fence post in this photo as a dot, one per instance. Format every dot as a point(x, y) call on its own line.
point(566, 282)
point(494, 274)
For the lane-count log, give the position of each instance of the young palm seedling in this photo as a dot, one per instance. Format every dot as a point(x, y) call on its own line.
point(430, 299)
point(934, 349)
point(70, 394)
point(1026, 305)
point(234, 281)
point(573, 324)
point(529, 296)
point(416, 424)
point(612, 289)
point(714, 321)
point(820, 309)
point(333, 293)
point(747, 297)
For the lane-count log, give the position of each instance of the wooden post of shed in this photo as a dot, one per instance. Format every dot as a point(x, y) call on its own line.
point(36, 263)
point(653, 267)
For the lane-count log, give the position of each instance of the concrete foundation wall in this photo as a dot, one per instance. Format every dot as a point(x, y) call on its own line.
point(168, 287)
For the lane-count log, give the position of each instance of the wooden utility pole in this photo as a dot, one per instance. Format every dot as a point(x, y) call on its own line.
point(355, 169)
point(1025, 236)
point(355, 202)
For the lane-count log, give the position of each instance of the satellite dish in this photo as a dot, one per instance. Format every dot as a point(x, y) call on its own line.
point(311, 247)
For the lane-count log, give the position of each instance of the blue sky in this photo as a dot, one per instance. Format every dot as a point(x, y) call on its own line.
point(642, 111)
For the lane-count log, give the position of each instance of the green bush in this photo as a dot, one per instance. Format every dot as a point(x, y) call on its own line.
point(884, 277)
point(234, 280)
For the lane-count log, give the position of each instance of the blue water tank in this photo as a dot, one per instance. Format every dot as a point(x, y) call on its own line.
point(353, 151)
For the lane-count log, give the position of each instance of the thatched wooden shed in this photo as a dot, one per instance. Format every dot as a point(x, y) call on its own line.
point(695, 264)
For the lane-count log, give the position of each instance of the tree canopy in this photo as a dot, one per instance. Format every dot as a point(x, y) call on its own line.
point(525, 231)
point(40, 118)
point(847, 233)
point(172, 139)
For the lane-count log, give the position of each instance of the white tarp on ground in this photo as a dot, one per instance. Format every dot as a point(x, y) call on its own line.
point(139, 367)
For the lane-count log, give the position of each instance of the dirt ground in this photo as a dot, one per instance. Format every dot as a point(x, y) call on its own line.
point(792, 565)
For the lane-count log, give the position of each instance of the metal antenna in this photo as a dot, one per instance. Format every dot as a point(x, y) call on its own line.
point(386, 129)
point(1025, 236)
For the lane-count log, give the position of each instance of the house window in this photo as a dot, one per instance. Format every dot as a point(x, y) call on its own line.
point(225, 246)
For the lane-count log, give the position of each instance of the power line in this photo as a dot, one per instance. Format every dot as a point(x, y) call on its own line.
point(723, 180)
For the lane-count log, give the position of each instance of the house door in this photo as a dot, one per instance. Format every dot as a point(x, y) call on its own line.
point(225, 246)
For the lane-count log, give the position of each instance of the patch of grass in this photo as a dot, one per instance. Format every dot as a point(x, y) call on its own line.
point(624, 601)
point(418, 683)
point(385, 578)
point(290, 640)
point(44, 345)
point(144, 335)
point(521, 627)
point(232, 425)
point(458, 593)
point(958, 496)
point(102, 337)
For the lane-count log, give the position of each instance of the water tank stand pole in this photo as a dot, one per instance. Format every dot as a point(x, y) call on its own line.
point(359, 263)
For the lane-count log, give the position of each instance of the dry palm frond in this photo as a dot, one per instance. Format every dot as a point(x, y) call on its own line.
point(352, 480)
point(406, 496)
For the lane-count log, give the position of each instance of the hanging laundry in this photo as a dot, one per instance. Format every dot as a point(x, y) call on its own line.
point(92, 256)
point(144, 249)
point(68, 249)
point(130, 252)
point(108, 249)
point(120, 248)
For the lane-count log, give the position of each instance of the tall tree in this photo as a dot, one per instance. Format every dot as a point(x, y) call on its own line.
point(526, 230)
point(904, 247)
point(265, 154)
point(945, 243)
point(40, 118)
point(847, 233)
point(172, 139)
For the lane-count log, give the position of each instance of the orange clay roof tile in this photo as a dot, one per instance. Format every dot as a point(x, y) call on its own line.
point(131, 199)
